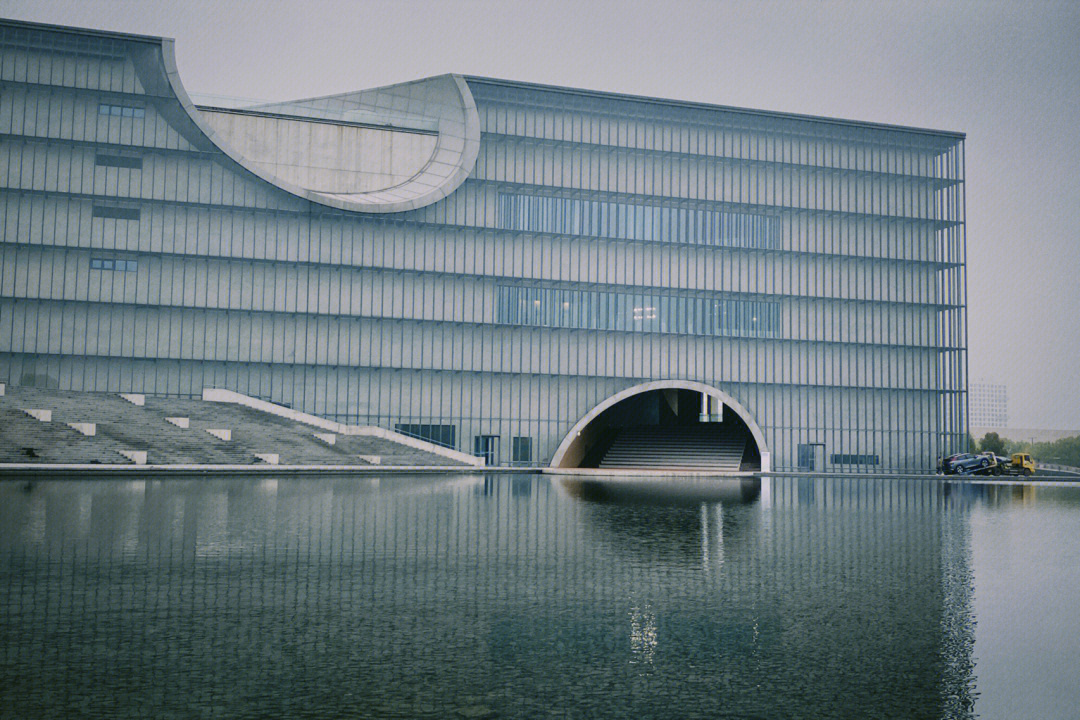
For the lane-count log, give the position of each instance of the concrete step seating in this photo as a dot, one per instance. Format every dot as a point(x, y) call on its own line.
point(249, 432)
point(122, 429)
point(705, 446)
point(55, 441)
point(296, 443)
point(24, 439)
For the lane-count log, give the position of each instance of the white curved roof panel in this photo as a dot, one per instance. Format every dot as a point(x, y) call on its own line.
point(389, 149)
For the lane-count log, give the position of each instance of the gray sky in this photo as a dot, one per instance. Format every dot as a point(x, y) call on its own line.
point(1007, 74)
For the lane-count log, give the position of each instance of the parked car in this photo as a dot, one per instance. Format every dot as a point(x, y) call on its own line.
point(943, 464)
point(966, 464)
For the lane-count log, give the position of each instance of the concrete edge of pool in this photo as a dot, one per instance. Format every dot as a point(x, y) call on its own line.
point(9, 471)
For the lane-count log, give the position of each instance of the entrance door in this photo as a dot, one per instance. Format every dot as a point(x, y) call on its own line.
point(812, 457)
point(487, 447)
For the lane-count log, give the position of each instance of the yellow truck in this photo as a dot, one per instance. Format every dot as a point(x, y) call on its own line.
point(1021, 464)
point(1018, 464)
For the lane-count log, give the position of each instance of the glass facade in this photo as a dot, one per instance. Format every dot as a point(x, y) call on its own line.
point(811, 269)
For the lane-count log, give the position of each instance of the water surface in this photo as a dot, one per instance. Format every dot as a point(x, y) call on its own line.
point(528, 597)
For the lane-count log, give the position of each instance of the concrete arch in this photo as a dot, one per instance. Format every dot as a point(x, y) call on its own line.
point(735, 405)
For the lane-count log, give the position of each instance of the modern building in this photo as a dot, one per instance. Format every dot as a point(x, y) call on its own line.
point(989, 404)
point(541, 275)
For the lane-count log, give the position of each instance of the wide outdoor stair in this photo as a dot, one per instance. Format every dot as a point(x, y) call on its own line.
point(121, 425)
point(24, 439)
point(705, 446)
point(250, 432)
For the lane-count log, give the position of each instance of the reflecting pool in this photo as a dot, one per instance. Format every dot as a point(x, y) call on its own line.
point(527, 596)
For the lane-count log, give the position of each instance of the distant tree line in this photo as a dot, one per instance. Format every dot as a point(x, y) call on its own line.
point(1065, 451)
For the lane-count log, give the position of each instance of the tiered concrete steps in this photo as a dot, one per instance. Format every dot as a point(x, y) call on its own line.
point(24, 439)
point(107, 428)
point(704, 446)
point(250, 433)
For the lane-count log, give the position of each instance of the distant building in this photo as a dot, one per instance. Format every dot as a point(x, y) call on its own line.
point(538, 275)
point(988, 404)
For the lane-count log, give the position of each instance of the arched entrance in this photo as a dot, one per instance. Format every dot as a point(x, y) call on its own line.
point(666, 424)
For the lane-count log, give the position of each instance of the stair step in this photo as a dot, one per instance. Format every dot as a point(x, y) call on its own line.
point(156, 427)
point(678, 447)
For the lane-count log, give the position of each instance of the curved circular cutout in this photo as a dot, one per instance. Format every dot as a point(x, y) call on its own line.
point(567, 448)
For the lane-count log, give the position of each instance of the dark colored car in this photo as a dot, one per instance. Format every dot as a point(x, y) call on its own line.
point(944, 465)
point(965, 464)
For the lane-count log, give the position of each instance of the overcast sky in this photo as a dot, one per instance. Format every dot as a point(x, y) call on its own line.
point(1007, 74)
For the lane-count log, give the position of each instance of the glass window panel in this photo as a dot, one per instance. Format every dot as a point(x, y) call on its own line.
point(577, 309)
point(631, 221)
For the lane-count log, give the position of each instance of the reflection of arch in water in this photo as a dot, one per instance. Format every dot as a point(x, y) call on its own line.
point(681, 520)
point(574, 449)
point(644, 491)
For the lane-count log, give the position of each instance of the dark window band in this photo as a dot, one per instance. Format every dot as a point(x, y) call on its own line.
point(645, 312)
point(116, 213)
point(445, 435)
point(119, 161)
point(121, 110)
point(630, 221)
point(855, 459)
point(114, 264)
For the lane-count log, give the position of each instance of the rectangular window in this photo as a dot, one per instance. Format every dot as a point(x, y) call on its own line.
point(521, 450)
point(630, 221)
point(116, 213)
point(593, 310)
point(132, 111)
point(445, 435)
point(120, 161)
point(114, 264)
point(855, 459)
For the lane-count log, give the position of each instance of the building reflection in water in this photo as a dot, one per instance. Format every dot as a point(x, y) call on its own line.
point(522, 595)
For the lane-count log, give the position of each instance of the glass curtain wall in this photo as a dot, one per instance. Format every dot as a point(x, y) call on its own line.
point(811, 269)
